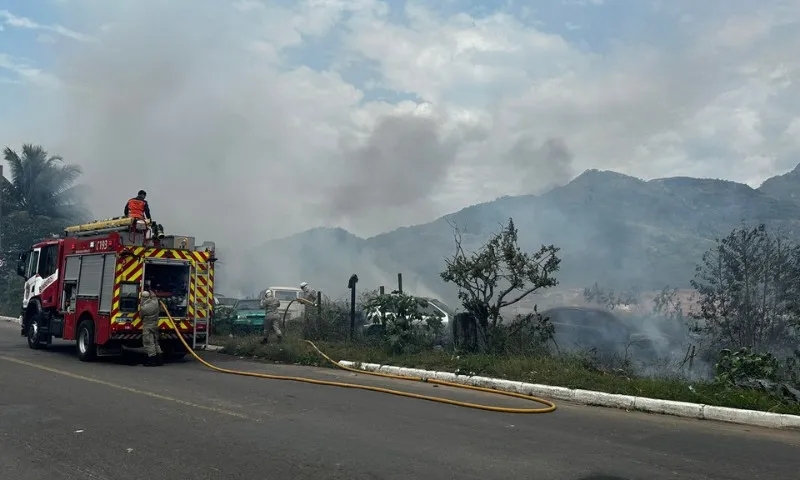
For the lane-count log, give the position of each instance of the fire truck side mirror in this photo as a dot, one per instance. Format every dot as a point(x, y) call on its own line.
point(22, 263)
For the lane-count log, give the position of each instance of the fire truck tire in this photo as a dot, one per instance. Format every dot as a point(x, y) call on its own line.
point(179, 355)
point(87, 349)
point(174, 350)
point(36, 331)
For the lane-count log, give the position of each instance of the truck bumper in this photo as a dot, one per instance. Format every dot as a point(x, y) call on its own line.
point(165, 335)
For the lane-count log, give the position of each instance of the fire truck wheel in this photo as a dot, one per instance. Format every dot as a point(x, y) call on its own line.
point(36, 332)
point(174, 350)
point(87, 349)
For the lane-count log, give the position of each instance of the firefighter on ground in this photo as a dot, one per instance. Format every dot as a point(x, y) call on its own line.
point(309, 294)
point(149, 311)
point(138, 208)
point(308, 297)
point(272, 315)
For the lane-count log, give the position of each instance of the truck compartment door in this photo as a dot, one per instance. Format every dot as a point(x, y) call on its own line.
point(107, 285)
point(91, 276)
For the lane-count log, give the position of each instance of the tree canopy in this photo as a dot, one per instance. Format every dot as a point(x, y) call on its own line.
point(749, 287)
point(499, 274)
point(42, 185)
point(41, 197)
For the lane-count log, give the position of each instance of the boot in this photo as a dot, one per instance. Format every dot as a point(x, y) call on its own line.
point(151, 362)
point(265, 341)
point(160, 359)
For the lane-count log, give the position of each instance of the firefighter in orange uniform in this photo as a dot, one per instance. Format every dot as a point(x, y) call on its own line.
point(137, 207)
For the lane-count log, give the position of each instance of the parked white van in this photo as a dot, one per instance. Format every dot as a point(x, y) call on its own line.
point(286, 295)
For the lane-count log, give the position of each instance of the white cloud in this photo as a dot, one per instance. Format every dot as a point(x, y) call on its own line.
point(263, 108)
point(27, 72)
point(26, 23)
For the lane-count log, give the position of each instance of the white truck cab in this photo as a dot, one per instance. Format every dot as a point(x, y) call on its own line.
point(286, 295)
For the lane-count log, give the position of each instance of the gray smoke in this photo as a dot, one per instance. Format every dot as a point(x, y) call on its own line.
point(401, 163)
point(654, 343)
point(542, 166)
point(167, 100)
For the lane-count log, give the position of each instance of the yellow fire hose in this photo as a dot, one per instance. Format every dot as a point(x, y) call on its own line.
point(550, 406)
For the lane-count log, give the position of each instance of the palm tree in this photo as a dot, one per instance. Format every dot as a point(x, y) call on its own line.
point(41, 185)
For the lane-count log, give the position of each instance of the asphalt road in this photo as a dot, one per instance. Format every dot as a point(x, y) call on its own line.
point(63, 419)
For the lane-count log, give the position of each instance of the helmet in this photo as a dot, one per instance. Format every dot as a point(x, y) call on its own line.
point(145, 294)
point(303, 284)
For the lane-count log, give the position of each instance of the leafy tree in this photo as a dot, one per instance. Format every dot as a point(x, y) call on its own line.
point(329, 321)
point(749, 289)
point(42, 185)
point(734, 367)
point(365, 297)
point(499, 274)
point(405, 322)
point(668, 304)
point(40, 199)
point(527, 334)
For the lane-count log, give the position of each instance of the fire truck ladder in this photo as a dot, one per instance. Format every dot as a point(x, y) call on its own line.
point(200, 305)
point(100, 227)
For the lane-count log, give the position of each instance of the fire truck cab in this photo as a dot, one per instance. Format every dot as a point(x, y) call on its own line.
point(85, 286)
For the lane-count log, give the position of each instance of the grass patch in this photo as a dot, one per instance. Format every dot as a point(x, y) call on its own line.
point(562, 371)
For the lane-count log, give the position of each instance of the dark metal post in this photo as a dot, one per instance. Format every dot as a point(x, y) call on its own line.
point(352, 312)
point(319, 311)
point(351, 284)
point(400, 283)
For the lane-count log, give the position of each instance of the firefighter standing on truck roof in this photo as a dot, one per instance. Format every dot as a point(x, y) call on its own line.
point(272, 315)
point(138, 208)
point(149, 312)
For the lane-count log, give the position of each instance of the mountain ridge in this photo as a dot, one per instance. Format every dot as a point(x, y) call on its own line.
point(614, 229)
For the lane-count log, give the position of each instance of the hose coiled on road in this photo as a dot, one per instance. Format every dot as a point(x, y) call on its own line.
point(549, 406)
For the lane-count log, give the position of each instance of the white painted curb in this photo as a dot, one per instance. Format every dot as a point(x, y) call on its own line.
point(11, 320)
point(588, 397)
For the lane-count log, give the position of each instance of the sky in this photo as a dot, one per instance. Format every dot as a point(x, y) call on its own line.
point(249, 120)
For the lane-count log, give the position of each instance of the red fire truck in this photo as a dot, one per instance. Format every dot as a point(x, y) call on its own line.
point(84, 285)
